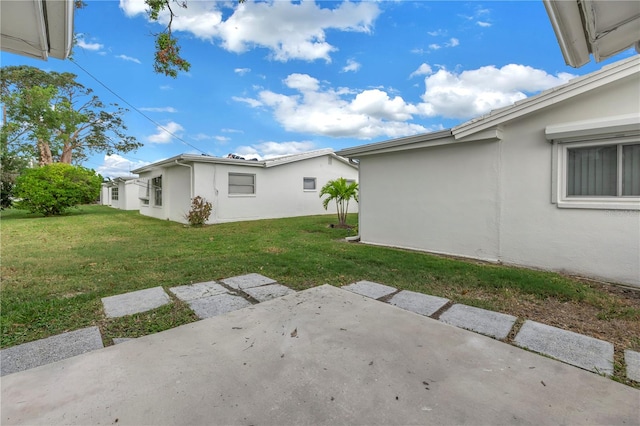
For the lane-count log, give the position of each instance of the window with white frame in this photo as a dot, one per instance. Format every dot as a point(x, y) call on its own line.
point(309, 184)
point(156, 185)
point(242, 184)
point(601, 174)
point(114, 193)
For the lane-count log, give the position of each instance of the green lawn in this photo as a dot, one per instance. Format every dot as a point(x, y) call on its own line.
point(55, 270)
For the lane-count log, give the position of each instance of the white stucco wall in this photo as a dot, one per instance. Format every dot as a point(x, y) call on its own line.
point(492, 200)
point(279, 190)
point(440, 199)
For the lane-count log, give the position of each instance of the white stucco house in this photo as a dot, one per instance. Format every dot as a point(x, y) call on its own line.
point(550, 182)
point(121, 193)
point(241, 189)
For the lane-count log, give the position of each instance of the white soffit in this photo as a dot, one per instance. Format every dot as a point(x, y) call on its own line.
point(599, 27)
point(37, 28)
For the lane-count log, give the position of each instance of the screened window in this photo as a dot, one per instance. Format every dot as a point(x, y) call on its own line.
point(604, 171)
point(242, 183)
point(156, 184)
point(309, 184)
point(114, 194)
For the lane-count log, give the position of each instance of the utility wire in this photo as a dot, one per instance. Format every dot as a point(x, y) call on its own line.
point(136, 109)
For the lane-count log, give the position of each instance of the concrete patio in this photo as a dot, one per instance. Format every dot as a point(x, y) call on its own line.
point(320, 356)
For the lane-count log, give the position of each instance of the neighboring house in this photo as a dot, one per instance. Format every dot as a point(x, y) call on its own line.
point(241, 189)
point(551, 182)
point(37, 28)
point(121, 193)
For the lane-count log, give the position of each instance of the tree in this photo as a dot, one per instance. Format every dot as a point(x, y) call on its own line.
point(167, 57)
point(54, 188)
point(342, 192)
point(52, 117)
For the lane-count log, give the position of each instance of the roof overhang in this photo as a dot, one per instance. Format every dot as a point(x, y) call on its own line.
point(37, 28)
point(599, 27)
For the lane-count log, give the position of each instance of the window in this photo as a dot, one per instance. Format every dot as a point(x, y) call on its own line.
point(156, 184)
point(242, 184)
point(309, 184)
point(114, 194)
point(599, 174)
point(350, 181)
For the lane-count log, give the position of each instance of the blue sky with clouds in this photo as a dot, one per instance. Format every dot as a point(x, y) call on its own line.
point(277, 78)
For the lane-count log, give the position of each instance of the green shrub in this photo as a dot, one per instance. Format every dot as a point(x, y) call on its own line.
point(54, 188)
point(200, 211)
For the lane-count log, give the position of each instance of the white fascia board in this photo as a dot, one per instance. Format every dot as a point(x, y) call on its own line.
point(59, 20)
point(567, 24)
point(400, 144)
point(577, 86)
point(621, 125)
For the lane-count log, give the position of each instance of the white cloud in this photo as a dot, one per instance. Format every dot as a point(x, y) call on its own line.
point(222, 138)
point(158, 109)
point(166, 87)
point(352, 66)
point(242, 71)
point(232, 131)
point(483, 24)
point(251, 102)
point(476, 92)
point(288, 30)
point(166, 133)
point(80, 42)
point(267, 150)
point(453, 42)
point(202, 137)
point(338, 112)
point(117, 166)
point(129, 58)
point(423, 69)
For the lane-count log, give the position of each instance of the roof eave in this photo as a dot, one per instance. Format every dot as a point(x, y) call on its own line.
point(567, 24)
point(398, 144)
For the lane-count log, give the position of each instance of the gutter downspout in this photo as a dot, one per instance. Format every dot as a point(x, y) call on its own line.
point(190, 178)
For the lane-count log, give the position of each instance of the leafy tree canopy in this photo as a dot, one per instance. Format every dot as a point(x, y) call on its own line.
point(52, 117)
point(54, 188)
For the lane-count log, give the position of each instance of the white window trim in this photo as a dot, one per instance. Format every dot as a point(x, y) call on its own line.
point(315, 184)
point(255, 186)
point(153, 190)
point(559, 177)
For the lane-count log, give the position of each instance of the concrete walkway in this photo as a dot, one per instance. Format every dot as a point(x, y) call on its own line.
point(323, 356)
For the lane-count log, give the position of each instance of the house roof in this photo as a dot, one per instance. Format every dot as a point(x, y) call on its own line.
point(488, 126)
point(599, 27)
point(37, 28)
point(272, 162)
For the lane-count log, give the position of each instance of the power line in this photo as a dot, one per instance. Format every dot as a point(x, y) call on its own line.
point(136, 109)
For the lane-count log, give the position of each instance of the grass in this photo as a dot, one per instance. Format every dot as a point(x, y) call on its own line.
point(55, 270)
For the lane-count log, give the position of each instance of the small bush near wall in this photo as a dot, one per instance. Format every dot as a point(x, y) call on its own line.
point(200, 211)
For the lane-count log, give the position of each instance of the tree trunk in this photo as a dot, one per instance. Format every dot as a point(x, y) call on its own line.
point(45, 153)
point(66, 154)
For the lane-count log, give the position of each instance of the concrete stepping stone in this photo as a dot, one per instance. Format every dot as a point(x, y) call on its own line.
point(573, 348)
point(211, 306)
point(247, 281)
point(118, 340)
point(52, 349)
point(370, 289)
point(135, 302)
point(419, 303)
point(196, 291)
point(489, 323)
point(268, 292)
point(632, 361)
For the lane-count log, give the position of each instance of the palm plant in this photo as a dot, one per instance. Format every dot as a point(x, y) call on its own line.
point(342, 192)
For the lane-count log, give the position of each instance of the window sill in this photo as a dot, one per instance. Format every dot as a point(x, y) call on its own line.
point(608, 204)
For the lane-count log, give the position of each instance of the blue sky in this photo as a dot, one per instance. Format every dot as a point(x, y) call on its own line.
point(277, 78)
